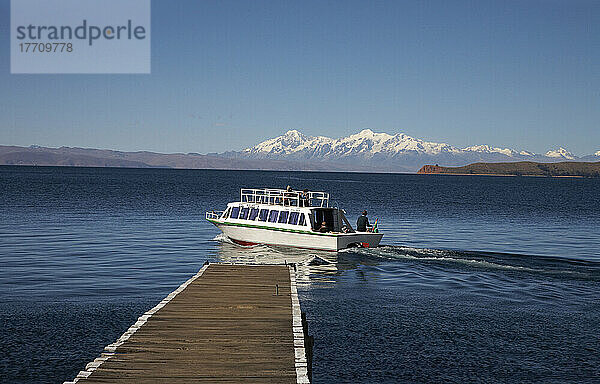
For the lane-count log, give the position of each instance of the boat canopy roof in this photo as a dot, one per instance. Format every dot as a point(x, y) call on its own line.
point(284, 197)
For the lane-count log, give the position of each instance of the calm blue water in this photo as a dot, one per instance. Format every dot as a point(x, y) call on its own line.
point(479, 279)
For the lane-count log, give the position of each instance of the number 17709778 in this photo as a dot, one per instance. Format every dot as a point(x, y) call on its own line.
point(46, 47)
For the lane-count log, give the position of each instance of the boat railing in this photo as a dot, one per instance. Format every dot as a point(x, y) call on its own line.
point(284, 197)
point(214, 215)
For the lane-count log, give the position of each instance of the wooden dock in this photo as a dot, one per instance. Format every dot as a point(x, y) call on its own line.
point(226, 324)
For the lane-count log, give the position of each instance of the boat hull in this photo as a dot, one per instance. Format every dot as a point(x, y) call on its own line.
point(246, 235)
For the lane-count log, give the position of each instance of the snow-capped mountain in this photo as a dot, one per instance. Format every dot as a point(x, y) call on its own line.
point(398, 152)
point(490, 149)
point(560, 153)
point(366, 143)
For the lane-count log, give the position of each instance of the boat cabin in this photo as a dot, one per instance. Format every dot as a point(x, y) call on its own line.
point(292, 210)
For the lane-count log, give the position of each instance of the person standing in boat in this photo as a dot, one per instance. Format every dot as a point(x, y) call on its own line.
point(362, 223)
point(304, 198)
point(289, 192)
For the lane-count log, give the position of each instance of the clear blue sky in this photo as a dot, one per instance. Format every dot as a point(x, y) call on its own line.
point(227, 74)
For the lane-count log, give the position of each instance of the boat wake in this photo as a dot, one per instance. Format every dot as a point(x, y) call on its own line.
point(441, 258)
point(223, 239)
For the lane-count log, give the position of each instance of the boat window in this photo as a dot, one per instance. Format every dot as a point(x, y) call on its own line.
point(302, 220)
point(263, 215)
point(253, 213)
point(244, 213)
point(235, 211)
point(293, 218)
point(226, 213)
point(273, 216)
point(283, 216)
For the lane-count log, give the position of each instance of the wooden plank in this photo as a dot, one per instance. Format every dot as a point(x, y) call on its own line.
point(225, 325)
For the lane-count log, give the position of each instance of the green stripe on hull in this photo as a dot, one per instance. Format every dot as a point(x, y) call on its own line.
point(271, 228)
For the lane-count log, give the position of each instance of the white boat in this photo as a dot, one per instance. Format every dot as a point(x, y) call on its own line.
point(289, 218)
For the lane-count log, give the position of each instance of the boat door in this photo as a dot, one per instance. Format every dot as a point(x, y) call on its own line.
point(319, 215)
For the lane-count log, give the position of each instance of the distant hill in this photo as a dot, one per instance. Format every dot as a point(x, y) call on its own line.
point(86, 157)
point(522, 168)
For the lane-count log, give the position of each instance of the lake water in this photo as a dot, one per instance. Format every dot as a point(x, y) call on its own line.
point(478, 279)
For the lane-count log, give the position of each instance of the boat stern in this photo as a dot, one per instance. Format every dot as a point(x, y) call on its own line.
point(359, 239)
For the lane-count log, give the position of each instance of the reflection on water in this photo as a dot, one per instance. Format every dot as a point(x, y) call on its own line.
point(310, 264)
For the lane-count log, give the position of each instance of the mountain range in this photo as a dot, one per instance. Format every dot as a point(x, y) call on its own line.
point(365, 151)
point(88, 157)
point(396, 153)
